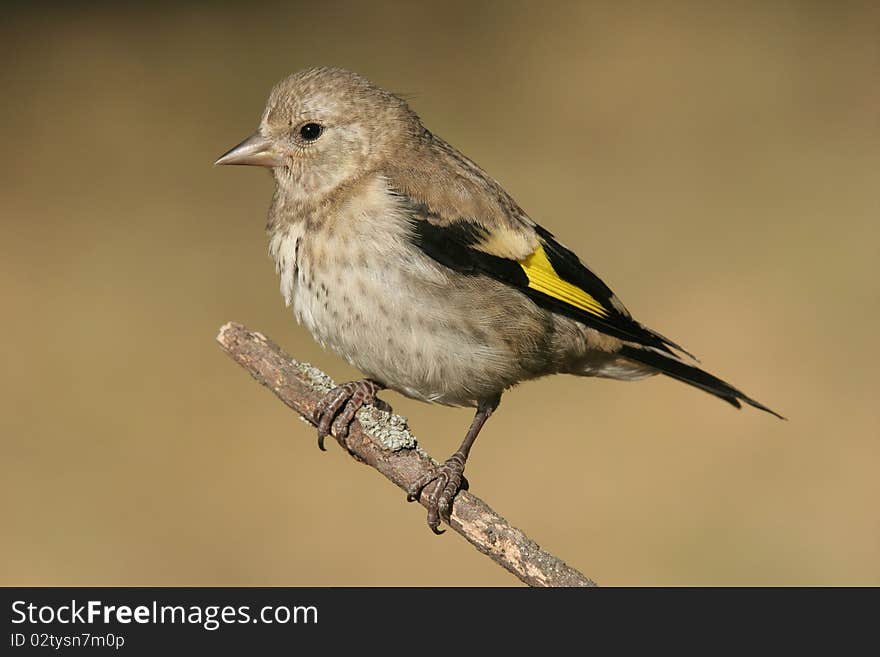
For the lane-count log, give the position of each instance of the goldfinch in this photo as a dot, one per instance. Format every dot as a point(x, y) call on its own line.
point(407, 259)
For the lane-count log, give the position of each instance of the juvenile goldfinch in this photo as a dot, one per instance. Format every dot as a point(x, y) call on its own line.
point(403, 256)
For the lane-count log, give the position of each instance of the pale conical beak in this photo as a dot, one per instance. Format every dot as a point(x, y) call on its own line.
point(256, 150)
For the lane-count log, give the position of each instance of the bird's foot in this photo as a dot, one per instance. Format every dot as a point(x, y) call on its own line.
point(335, 411)
point(449, 480)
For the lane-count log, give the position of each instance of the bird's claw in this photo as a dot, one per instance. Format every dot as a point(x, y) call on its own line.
point(335, 412)
point(449, 480)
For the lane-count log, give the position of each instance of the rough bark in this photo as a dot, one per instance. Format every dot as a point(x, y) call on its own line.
point(383, 441)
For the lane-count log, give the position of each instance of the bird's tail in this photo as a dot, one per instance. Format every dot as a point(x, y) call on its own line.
point(671, 366)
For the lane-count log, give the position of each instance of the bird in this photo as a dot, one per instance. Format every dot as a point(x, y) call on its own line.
point(406, 258)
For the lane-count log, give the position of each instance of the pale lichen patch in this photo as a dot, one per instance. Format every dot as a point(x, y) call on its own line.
point(387, 429)
point(315, 377)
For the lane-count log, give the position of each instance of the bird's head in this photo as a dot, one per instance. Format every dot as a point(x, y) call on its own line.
point(323, 127)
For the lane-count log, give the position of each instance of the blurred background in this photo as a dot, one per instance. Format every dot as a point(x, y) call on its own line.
point(720, 167)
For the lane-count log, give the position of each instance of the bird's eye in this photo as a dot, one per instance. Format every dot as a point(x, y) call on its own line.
point(310, 131)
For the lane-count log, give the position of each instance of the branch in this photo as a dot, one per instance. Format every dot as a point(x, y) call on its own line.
point(382, 440)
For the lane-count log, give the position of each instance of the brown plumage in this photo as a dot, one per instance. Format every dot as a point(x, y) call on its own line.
point(402, 255)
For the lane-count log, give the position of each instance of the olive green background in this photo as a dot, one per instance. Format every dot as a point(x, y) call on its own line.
point(720, 167)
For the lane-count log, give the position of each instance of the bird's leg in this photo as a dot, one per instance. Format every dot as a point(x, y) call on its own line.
point(336, 410)
point(450, 477)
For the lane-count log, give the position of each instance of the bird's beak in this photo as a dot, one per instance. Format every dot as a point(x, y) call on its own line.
point(256, 150)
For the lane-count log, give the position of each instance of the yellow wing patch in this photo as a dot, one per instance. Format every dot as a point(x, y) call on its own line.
point(543, 278)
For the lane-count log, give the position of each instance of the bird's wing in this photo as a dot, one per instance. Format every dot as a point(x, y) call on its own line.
point(527, 257)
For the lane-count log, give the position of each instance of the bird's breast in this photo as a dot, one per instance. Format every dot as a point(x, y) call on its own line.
point(360, 288)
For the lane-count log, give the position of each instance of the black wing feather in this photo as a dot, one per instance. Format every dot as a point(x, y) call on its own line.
point(452, 244)
point(570, 268)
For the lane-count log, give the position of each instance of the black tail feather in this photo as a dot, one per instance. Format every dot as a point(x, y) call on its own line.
point(671, 366)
